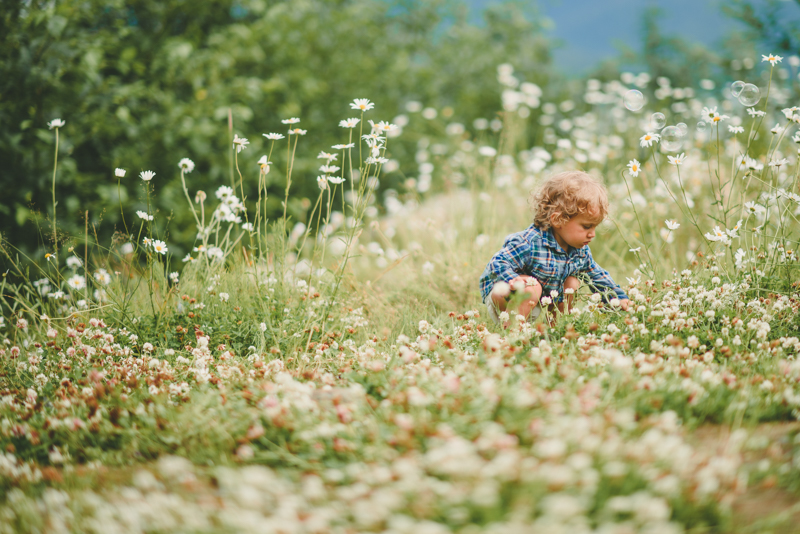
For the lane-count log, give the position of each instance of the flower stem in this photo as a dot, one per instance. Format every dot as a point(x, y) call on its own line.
point(55, 232)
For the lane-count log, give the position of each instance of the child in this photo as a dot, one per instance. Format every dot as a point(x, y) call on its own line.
point(542, 260)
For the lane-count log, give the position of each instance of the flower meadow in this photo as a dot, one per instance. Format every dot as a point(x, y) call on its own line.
point(340, 374)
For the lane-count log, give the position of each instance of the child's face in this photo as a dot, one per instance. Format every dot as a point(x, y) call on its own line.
point(578, 231)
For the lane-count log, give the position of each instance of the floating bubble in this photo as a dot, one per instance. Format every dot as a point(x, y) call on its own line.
point(736, 87)
point(750, 95)
point(634, 100)
point(701, 126)
point(658, 120)
point(671, 138)
point(682, 128)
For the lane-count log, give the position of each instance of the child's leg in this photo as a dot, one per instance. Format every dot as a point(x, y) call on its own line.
point(532, 294)
point(570, 283)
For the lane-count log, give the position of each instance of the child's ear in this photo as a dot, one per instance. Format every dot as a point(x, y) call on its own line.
point(555, 219)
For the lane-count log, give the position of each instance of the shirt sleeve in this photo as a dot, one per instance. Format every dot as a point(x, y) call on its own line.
point(601, 281)
point(508, 263)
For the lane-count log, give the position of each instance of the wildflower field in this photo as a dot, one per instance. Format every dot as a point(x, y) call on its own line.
point(341, 374)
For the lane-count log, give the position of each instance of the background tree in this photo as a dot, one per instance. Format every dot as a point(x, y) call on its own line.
point(143, 83)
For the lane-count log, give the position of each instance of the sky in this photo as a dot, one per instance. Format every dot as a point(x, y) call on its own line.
point(592, 30)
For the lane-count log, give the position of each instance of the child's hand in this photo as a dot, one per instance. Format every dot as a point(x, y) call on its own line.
point(529, 281)
point(624, 303)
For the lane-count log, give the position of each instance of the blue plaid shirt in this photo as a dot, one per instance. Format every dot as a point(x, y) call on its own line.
point(535, 252)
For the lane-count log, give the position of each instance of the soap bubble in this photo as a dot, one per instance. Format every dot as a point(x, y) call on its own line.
point(634, 100)
point(682, 128)
point(736, 87)
point(671, 139)
point(658, 120)
point(701, 126)
point(750, 95)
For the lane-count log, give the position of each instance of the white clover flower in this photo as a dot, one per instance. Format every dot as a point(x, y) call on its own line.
point(240, 143)
point(263, 327)
point(144, 215)
point(119, 173)
point(648, 139)
point(55, 123)
point(349, 123)
point(772, 58)
point(159, 247)
point(274, 136)
point(186, 165)
point(224, 297)
point(635, 167)
point(362, 104)
point(76, 282)
point(146, 175)
point(546, 301)
point(293, 120)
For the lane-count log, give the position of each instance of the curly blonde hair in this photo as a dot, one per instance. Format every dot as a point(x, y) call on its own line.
point(566, 195)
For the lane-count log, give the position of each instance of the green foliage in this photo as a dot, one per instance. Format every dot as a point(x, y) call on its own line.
point(143, 84)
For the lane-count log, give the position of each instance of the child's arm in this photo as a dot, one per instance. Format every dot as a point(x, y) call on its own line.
point(510, 261)
point(602, 281)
